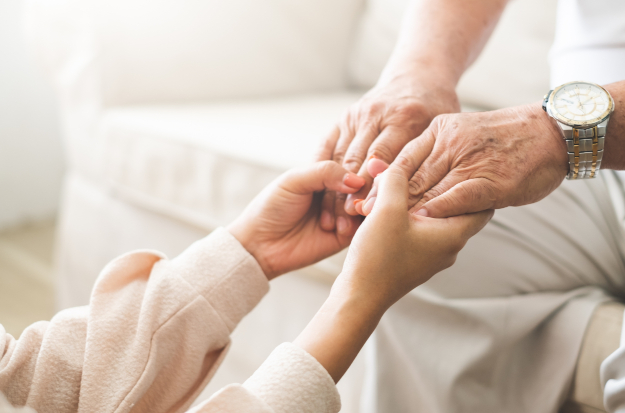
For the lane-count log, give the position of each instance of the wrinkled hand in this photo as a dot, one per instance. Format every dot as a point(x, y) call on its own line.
point(395, 251)
point(379, 125)
point(280, 227)
point(472, 162)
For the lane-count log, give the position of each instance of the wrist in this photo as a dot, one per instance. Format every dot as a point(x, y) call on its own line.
point(249, 242)
point(554, 141)
point(337, 332)
point(369, 301)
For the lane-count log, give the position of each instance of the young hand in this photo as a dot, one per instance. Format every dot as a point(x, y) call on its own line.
point(281, 227)
point(393, 252)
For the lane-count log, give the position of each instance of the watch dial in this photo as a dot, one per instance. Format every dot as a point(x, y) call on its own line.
point(581, 103)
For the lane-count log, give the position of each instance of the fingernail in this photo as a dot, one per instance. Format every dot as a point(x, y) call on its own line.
point(341, 225)
point(349, 204)
point(353, 180)
point(367, 207)
point(376, 166)
point(422, 212)
point(372, 157)
point(358, 205)
point(326, 220)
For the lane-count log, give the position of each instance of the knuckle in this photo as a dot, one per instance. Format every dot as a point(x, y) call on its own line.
point(326, 168)
point(403, 161)
point(411, 110)
point(374, 108)
point(416, 185)
point(381, 152)
point(339, 154)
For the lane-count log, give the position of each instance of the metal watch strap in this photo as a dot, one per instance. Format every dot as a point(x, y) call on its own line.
point(585, 149)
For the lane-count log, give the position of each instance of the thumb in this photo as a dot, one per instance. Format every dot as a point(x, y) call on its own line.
point(473, 195)
point(466, 226)
point(392, 191)
point(319, 176)
point(376, 166)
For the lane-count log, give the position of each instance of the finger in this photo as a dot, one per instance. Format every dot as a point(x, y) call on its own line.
point(376, 166)
point(326, 149)
point(413, 163)
point(385, 148)
point(357, 150)
point(342, 219)
point(469, 196)
point(367, 204)
point(465, 226)
point(346, 136)
point(448, 182)
point(327, 221)
point(392, 192)
point(326, 152)
point(415, 153)
point(431, 172)
point(319, 176)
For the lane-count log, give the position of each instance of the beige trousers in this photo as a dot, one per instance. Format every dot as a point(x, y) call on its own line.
point(501, 330)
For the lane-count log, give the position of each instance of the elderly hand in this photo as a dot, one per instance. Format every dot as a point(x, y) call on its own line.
point(379, 125)
point(472, 162)
point(280, 227)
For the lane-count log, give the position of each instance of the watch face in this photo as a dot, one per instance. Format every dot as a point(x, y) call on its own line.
point(580, 104)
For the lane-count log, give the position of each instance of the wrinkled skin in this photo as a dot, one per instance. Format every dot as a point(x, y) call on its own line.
point(379, 125)
point(472, 162)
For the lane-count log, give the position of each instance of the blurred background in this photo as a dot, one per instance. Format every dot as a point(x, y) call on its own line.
point(31, 170)
point(129, 124)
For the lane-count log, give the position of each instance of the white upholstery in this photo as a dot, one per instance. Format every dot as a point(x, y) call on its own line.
point(204, 163)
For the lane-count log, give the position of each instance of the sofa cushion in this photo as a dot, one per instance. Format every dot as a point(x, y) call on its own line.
point(151, 51)
point(512, 70)
point(204, 163)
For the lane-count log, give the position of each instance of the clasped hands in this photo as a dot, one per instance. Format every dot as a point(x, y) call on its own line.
point(439, 190)
point(458, 163)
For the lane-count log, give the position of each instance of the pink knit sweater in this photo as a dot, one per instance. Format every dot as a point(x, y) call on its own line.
point(151, 339)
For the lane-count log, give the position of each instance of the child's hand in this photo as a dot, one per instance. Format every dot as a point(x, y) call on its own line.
point(395, 251)
point(281, 229)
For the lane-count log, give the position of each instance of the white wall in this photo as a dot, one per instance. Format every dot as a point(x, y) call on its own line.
point(31, 160)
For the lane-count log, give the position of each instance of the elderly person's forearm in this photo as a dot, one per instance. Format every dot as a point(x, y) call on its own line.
point(441, 39)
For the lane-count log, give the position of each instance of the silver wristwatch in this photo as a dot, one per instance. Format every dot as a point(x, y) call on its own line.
point(582, 111)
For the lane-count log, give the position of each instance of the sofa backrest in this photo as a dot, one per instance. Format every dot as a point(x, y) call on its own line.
point(175, 50)
point(512, 70)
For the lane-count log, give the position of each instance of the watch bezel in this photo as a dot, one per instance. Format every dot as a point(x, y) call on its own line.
point(579, 124)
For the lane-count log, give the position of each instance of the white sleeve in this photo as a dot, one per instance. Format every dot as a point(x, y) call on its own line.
point(613, 378)
point(290, 380)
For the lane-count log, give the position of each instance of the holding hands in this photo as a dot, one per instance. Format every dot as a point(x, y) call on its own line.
point(380, 125)
point(281, 226)
point(393, 252)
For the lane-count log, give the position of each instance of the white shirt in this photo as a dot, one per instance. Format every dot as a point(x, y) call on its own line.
point(590, 45)
point(589, 42)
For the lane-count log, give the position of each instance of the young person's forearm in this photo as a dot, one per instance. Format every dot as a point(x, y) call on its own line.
point(338, 331)
point(441, 38)
point(614, 150)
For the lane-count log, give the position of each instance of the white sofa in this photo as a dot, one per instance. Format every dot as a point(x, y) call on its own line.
point(177, 112)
